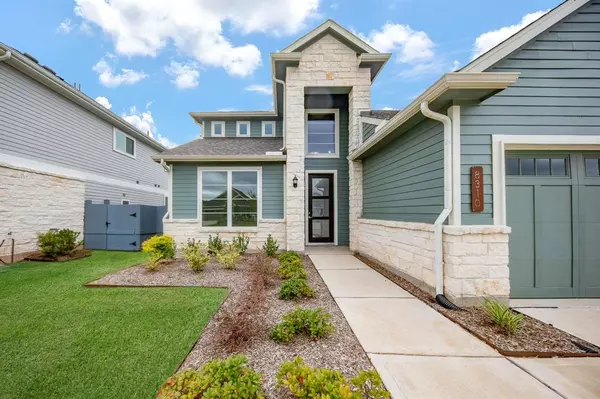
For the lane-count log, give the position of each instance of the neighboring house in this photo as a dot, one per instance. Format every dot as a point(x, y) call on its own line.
point(396, 186)
point(58, 148)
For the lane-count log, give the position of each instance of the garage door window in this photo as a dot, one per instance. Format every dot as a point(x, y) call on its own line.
point(553, 167)
point(592, 167)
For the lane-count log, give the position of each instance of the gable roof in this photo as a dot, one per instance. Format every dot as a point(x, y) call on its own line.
point(524, 36)
point(383, 114)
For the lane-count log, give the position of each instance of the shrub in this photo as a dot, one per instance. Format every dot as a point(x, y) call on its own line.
point(229, 378)
point(215, 245)
point(158, 249)
point(271, 247)
point(305, 382)
point(228, 256)
point(313, 322)
point(288, 256)
point(241, 243)
point(196, 255)
point(502, 315)
point(58, 242)
point(295, 288)
point(291, 269)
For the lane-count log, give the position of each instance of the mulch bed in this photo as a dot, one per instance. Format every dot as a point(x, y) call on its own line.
point(76, 254)
point(534, 339)
point(243, 322)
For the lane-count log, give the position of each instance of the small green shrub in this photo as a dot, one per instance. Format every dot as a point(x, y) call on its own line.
point(502, 315)
point(313, 322)
point(305, 382)
point(241, 243)
point(271, 247)
point(158, 249)
point(195, 253)
point(288, 256)
point(230, 378)
point(228, 256)
point(58, 242)
point(215, 245)
point(295, 288)
point(291, 269)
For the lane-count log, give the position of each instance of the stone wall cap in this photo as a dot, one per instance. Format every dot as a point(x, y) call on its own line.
point(39, 172)
point(466, 230)
point(399, 225)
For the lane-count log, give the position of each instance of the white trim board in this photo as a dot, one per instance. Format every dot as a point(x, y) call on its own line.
point(335, 206)
point(501, 143)
point(74, 173)
point(372, 121)
point(336, 113)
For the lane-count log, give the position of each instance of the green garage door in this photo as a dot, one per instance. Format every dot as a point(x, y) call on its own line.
point(553, 207)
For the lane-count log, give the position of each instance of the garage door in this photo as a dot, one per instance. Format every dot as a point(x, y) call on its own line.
point(553, 207)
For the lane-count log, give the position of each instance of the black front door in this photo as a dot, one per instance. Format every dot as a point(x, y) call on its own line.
point(320, 208)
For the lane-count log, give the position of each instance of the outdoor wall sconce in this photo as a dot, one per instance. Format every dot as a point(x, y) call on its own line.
point(295, 181)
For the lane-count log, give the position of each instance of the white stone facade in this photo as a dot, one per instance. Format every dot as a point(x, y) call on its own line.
point(182, 230)
point(326, 63)
point(32, 202)
point(475, 257)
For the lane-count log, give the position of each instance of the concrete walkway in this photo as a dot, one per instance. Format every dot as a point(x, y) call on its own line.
point(421, 354)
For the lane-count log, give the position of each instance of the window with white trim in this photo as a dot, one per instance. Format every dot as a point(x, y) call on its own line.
point(217, 129)
point(123, 143)
point(229, 198)
point(243, 129)
point(268, 128)
point(322, 133)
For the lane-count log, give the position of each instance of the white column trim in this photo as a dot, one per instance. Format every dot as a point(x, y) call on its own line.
point(455, 217)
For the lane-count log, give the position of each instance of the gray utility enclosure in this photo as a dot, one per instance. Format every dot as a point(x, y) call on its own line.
point(121, 227)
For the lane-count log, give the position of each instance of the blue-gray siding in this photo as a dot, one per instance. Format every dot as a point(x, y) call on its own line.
point(367, 130)
point(185, 188)
point(38, 123)
point(558, 93)
point(98, 192)
point(405, 180)
point(255, 127)
point(339, 164)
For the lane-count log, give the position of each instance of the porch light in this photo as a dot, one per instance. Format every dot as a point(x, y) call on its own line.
point(295, 181)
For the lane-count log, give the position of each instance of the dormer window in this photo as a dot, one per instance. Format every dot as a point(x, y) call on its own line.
point(218, 129)
point(243, 129)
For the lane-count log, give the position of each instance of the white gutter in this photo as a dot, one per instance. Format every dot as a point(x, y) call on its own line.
point(283, 114)
point(5, 56)
point(438, 260)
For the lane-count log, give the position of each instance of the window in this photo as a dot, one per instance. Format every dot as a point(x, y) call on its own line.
point(322, 133)
point(218, 129)
point(123, 143)
point(229, 198)
point(243, 129)
point(268, 129)
point(553, 167)
point(592, 167)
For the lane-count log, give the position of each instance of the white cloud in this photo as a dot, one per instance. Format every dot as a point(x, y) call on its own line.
point(263, 89)
point(144, 121)
point(226, 110)
point(195, 27)
point(492, 38)
point(108, 78)
point(185, 75)
point(104, 102)
point(65, 26)
point(456, 65)
point(412, 46)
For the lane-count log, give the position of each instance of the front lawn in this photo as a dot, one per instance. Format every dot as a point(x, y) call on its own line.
point(59, 339)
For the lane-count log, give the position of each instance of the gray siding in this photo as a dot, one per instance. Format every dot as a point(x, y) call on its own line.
point(255, 127)
point(340, 164)
point(405, 180)
point(558, 93)
point(37, 123)
point(367, 130)
point(185, 188)
point(98, 192)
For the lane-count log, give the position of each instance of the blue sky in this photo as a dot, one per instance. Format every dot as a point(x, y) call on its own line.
point(155, 60)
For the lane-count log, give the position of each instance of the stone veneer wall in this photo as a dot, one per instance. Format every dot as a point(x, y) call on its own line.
point(475, 257)
point(326, 63)
point(181, 230)
point(32, 202)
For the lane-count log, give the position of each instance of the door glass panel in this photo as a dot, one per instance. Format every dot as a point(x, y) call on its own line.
point(320, 208)
point(320, 187)
point(320, 229)
point(512, 166)
point(542, 167)
point(214, 199)
point(591, 167)
point(527, 168)
point(558, 166)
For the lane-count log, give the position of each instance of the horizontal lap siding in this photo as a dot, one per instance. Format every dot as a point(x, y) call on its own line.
point(255, 127)
point(98, 192)
point(405, 180)
point(185, 188)
point(368, 130)
point(37, 123)
point(557, 93)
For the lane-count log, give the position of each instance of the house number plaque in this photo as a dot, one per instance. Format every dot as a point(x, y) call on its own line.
point(477, 189)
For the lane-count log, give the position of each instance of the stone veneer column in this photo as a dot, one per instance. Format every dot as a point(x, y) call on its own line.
point(355, 171)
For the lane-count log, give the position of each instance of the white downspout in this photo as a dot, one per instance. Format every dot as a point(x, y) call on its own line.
point(439, 222)
point(281, 82)
point(5, 56)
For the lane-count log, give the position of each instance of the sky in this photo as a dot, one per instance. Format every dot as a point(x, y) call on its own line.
point(154, 61)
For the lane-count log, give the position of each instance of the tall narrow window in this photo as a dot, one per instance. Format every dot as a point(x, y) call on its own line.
point(244, 197)
point(322, 134)
point(214, 199)
point(123, 143)
point(243, 129)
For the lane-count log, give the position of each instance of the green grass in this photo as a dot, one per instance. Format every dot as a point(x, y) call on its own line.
point(59, 339)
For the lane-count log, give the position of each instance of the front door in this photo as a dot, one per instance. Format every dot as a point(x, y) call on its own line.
point(320, 208)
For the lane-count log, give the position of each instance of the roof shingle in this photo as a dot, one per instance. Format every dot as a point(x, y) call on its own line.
point(380, 113)
point(212, 146)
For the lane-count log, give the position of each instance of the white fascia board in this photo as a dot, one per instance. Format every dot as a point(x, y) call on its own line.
point(524, 36)
point(372, 121)
point(233, 114)
point(450, 81)
point(220, 158)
